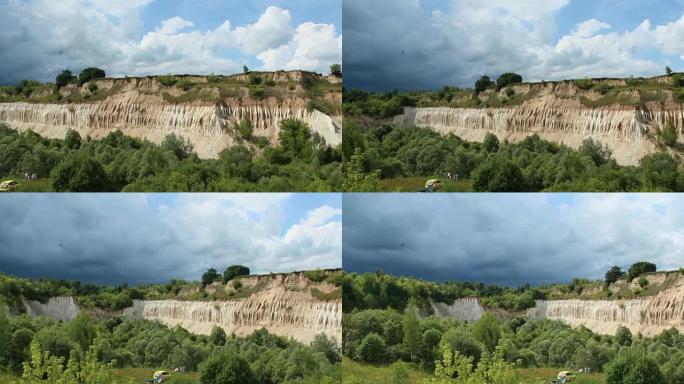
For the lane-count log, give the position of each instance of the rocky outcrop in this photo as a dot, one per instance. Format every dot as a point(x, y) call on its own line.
point(468, 309)
point(647, 315)
point(556, 113)
point(281, 303)
point(144, 108)
point(58, 308)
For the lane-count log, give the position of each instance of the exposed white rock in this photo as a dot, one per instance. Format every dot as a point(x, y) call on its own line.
point(58, 308)
point(468, 309)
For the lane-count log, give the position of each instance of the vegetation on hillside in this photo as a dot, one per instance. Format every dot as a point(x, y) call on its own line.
point(387, 321)
point(385, 151)
point(301, 162)
point(84, 351)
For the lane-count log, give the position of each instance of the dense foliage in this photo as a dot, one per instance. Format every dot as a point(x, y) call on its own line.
point(121, 163)
point(40, 347)
point(532, 164)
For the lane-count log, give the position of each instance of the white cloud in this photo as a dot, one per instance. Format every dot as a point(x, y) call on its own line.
point(42, 37)
point(590, 28)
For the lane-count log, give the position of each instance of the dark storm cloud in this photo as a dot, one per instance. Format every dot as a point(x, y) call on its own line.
point(135, 238)
point(509, 239)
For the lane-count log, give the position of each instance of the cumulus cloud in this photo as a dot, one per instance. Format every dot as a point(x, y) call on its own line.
point(471, 38)
point(42, 37)
point(147, 238)
point(511, 239)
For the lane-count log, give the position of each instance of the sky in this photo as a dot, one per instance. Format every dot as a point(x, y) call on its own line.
point(426, 44)
point(149, 238)
point(40, 38)
point(511, 239)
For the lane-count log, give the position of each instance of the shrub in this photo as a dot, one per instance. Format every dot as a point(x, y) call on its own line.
point(167, 81)
point(633, 367)
point(371, 349)
point(226, 367)
point(643, 282)
point(584, 84)
point(90, 73)
point(92, 87)
point(668, 134)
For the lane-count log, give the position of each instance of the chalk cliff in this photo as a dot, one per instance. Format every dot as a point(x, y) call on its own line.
point(563, 113)
point(201, 109)
point(59, 308)
point(649, 315)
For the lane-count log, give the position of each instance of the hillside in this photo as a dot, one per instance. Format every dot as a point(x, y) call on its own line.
point(299, 304)
point(206, 110)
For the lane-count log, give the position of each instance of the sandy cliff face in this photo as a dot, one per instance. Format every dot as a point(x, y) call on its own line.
point(141, 108)
point(283, 305)
point(648, 315)
point(468, 309)
point(59, 308)
point(555, 113)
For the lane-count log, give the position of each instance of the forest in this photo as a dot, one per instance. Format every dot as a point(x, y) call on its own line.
point(89, 351)
point(300, 162)
point(388, 326)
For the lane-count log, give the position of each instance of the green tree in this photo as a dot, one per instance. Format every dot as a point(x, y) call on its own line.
point(245, 129)
point(336, 70)
point(633, 366)
point(507, 79)
point(295, 137)
point(623, 336)
point(327, 346)
point(226, 367)
point(64, 78)
point(234, 271)
point(640, 267)
point(217, 336)
point(613, 274)
point(79, 173)
point(82, 330)
point(491, 143)
point(372, 349)
point(72, 139)
point(483, 83)
point(245, 69)
point(356, 179)
point(400, 373)
point(498, 174)
point(210, 276)
point(412, 336)
point(668, 71)
point(487, 331)
point(599, 153)
point(180, 146)
point(90, 73)
point(669, 134)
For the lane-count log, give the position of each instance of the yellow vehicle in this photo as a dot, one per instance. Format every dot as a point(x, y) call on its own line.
point(160, 377)
point(8, 186)
point(566, 377)
point(433, 185)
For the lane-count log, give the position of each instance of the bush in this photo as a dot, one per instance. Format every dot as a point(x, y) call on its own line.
point(584, 84)
point(668, 134)
point(90, 73)
point(643, 282)
point(167, 81)
point(64, 78)
point(633, 367)
point(507, 79)
point(640, 267)
point(483, 83)
point(79, 173)
point(226, 367)
point(371, 349)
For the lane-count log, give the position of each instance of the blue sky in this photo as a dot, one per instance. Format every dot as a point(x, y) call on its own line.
point(454, 42)
point(511, 239)
point(147, 37)
point(139, 238)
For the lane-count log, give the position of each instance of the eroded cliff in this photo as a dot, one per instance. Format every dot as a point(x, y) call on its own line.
point(626, 119)
point(648, 315)
point(204, 110)
point(468, 309)
point(285, 304)
point(59, 308)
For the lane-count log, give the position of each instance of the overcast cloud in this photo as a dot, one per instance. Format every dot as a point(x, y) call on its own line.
point(409, 45)
point(511, 239)
point(138, 238)
point(39, 38)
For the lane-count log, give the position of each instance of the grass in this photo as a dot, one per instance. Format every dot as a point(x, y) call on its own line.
point(124, 376)
point(357, 373)
point(38, 185)
point(414, 184)
point(139, 375)
point(545, 375)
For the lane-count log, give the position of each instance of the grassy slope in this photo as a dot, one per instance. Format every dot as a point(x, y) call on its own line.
point(124, 375)
point(356, 373)
point(413, 184)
